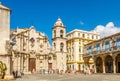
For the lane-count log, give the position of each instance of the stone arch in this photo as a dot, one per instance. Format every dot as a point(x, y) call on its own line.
point(118, 63)
point(61, 33)
point(109, 64)
point(99, 65)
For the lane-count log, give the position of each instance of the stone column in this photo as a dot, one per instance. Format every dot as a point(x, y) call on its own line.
point(103, 64)
point(27, 63)
point(95, 67)
point(18, 67)
point(94, 58)
point(21, 69)
point(114, 65)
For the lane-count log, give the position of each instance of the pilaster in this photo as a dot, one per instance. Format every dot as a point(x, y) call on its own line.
point(103, 60)
point(114, 61)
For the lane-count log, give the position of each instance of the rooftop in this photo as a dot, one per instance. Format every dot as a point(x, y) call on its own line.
point(3, 7)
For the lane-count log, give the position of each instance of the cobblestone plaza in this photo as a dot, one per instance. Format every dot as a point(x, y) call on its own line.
point(69, 77)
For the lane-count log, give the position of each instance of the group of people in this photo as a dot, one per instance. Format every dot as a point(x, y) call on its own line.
point(51, 71)
point(85, 71)
point(17, 74)
point(57, 71)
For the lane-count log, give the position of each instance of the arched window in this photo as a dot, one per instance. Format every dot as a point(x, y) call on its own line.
point(54, 33)
point(61, 46)
point(61, 33)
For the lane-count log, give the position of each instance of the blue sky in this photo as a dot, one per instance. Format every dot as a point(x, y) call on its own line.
point(75, 14)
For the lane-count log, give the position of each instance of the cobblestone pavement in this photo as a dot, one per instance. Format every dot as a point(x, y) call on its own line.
point(70, 77)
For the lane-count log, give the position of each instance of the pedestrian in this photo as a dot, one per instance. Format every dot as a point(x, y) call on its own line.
point(13, 73)
point(75, 71)
point(89, 71)
point(33, 71)
point(19, 74)
point(85, 72)
point(16, 73)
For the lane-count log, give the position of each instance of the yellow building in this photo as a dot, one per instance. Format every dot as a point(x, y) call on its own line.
point(76, 40)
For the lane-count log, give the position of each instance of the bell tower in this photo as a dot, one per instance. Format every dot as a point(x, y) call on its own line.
point(59, 44)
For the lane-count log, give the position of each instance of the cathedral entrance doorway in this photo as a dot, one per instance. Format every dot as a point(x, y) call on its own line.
point(32, 64)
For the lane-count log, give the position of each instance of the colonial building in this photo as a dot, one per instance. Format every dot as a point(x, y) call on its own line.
point(31, 51)
point(5, 44)
point(106, 54)
point(76, 40)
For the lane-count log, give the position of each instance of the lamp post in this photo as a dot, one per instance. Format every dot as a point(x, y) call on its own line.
point(9, 47)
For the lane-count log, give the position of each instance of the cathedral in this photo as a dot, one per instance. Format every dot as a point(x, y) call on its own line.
point(32, 50)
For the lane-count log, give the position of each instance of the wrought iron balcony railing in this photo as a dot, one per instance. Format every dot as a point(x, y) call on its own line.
point(107, 50)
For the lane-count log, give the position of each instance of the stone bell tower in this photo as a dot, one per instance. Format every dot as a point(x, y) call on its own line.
point(59, 44)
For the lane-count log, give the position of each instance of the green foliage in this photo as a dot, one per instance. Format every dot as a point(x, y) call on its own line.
point(3, 68)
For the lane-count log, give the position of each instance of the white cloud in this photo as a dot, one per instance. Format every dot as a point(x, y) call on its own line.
point(107, 30)
point(81, 23)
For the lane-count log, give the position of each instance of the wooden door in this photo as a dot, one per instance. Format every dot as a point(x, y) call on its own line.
point(32, 64)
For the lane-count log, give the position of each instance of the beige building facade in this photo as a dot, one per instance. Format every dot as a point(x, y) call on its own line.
point(106, 54)
point(5, 43)
point(32, 50)
point(76, 40)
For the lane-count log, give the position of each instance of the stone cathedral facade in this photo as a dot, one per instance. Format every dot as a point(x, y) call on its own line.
point(32, 50)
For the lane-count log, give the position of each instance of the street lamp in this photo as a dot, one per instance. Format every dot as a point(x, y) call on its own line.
point(9, 48)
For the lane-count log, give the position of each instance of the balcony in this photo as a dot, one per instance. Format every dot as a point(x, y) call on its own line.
point(104, 51)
